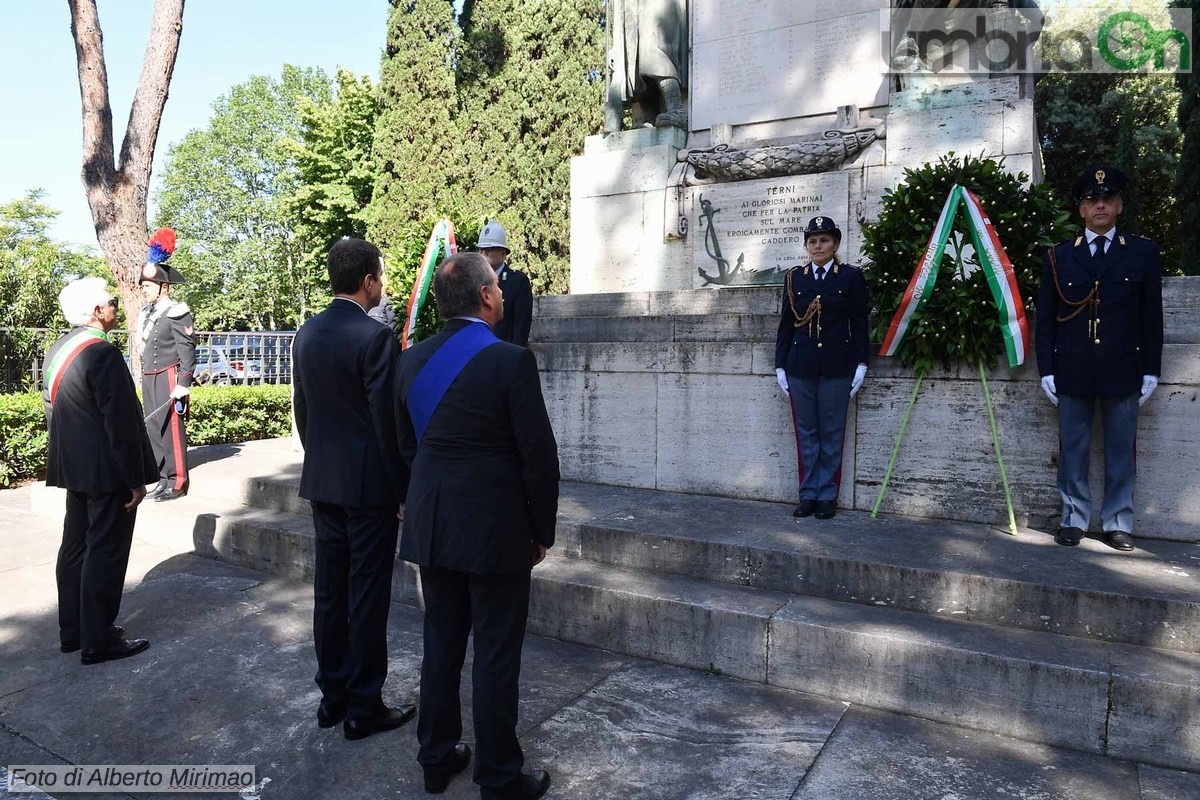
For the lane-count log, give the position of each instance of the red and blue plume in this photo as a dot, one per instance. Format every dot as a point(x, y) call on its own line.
point(162, 245)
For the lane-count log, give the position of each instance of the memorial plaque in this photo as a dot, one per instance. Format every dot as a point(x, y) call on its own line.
point(750, 233)
point(764, 60)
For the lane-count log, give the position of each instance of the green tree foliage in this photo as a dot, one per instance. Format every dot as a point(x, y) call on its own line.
point(480, 120)
point(334, 156)
point(226, 191)
point(1124, 119)
point(417, 150)
point(34, 267)
point(958, 320)
point(531, 87)
point(1187, 179)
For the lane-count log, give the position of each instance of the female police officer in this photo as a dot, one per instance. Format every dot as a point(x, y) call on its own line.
point(821, 360)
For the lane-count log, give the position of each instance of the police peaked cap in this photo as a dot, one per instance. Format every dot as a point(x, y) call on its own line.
point(1097, 180)
point(822, 225)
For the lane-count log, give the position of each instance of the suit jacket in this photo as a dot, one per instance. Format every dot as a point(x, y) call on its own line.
point(518, 307)
point(168, 340)
point(485, 475)
point(834, 343)
point(98, 442)
point(343, 376)
point(1106, 358)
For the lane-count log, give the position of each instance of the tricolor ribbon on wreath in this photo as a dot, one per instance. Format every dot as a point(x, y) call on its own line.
point(992, 260)
point(441, 246)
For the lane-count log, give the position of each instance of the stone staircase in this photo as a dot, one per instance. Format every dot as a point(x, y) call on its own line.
point(951, 621)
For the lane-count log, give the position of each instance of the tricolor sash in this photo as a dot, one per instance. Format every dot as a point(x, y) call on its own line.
point(66, 355)
point(431, 383)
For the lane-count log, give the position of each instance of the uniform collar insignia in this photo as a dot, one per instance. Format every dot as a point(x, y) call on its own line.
point(1078, 240)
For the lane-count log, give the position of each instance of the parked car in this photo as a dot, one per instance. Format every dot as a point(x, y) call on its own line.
point(214, 365)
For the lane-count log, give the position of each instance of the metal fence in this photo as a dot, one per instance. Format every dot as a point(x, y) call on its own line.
point(222, 358)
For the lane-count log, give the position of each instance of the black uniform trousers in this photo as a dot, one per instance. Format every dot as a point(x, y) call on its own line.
point(168, 434)
point(496, 607)
point(97, 535)
point(355, 558)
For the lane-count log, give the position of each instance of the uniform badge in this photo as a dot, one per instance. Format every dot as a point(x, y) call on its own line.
point(1099, 176)
point(820, 221)
point(149, 272)
point(188, 330)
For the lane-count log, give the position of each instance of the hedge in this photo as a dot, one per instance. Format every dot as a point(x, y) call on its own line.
point(219, 415)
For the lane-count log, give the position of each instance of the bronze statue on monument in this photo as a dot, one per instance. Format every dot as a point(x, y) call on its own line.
point(648, 63)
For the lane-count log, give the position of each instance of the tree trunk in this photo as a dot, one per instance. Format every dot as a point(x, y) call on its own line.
point(117, 193)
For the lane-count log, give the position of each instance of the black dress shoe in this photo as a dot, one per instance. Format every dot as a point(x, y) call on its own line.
point(121, 648)
point(1069, 536)
point(805, 508)
point(387, 720)
point(529, 786)
point(170, 494)
point(115, 632)
point(330, 713)
point(158, 489)
point(437, 776)
point(826, 509)
point(1120, 540)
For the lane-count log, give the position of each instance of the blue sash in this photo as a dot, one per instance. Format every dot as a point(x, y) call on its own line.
point(427, 389)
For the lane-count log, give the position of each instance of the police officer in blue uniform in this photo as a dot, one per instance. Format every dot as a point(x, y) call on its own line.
point(1099, 342)
point(821, 360)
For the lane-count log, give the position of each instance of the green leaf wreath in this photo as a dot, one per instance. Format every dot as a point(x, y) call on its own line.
point(959, 320)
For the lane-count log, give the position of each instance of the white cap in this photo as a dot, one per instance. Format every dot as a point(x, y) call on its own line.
point(79, 298)
point(493, 235)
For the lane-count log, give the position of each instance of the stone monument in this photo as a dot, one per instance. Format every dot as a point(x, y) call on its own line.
point(659, 366)
point(782, 112)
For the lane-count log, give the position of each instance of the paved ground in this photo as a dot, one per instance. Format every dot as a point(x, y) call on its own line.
point(228, 680)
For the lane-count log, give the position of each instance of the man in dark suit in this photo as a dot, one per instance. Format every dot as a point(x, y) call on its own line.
point(480, 514)
point(1086, 357)
point(344, 367)
point(99, 452)
point(514, 285)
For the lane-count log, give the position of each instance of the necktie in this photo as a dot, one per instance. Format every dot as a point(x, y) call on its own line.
point(820, 273)
point(1100, 242)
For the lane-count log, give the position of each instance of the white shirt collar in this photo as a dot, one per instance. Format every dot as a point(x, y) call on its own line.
point(1091, 235)
point(472, 319)
point(355, 302)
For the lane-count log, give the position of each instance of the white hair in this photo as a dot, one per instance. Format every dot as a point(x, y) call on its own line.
point(79, 298)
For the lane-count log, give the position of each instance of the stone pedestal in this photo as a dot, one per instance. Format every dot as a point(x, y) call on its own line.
point(621, 217)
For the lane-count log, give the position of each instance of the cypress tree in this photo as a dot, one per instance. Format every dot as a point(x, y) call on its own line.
point(416, 141)
point(531, 84)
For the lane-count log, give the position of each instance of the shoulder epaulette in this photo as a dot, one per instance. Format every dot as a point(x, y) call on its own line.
point(178, 310)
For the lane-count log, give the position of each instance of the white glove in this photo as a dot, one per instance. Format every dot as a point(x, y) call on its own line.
point(860, 372)
point(1049, 388)
point(180, 392)
point(781, 378)
point(1149, 384)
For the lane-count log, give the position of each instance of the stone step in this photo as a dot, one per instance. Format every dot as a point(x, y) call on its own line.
point(1181, 362)
point(1119, 700)
point(1180, 294)
point(742, 300)
point(659, 328)
point(966, 571)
